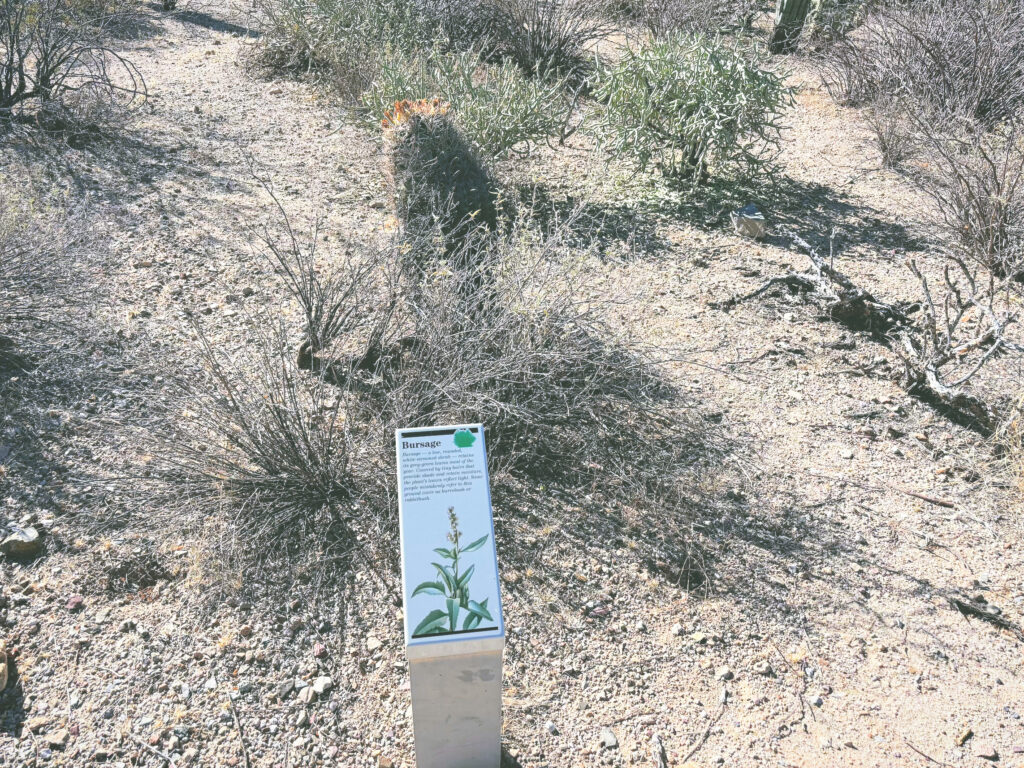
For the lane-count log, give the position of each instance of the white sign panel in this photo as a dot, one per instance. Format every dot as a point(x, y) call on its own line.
point(449, 559)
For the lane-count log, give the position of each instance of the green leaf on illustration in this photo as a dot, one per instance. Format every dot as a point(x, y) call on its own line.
point(429, 588)
point(445, 553)
point(453, 613)
point(475, 545)
point(446, 575)
point(464, 578)
point(471, 622)
point(479, 610)
point(432, 620)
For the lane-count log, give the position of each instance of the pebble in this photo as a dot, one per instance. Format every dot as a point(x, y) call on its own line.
point(677, 629)
point(551, 727)
point(322, 685)
point(75, 603)
point(58, 739)
point(724, 673)
point(211, 683)
point(608, 740)
point(764, 669)
point(372, 643)
point(307, 694)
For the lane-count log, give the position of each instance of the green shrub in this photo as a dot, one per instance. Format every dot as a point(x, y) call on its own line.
point(497, 107)
point(690, 104)
point(339, 43)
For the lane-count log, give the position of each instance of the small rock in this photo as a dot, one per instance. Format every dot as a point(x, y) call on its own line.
point(3, 664)
point(127, 626)
point(677, 629)
point(748, 221)
point(385, 762)
point(641, 627)
point(698, 638)
point(303, 719)
point(307, 694)
point(608, 740)
point(211, 683)
point(75, 603)
point(372, 643)
point(550, 727)
point(58, 739)
point(285, 689)
point(247, 291)
point(322, 685)
point(817, 701)
point(21, 543)
point(965, 734)
point(724, 673)
point(189, 756)
point(764, 669)
point(319, 651)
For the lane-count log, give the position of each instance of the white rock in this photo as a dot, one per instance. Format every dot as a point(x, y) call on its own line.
point(322, 685)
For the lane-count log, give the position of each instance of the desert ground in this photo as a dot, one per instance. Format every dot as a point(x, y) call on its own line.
point(821, 632)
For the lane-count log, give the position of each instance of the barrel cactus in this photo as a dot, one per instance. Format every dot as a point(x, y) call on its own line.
point(439, 183)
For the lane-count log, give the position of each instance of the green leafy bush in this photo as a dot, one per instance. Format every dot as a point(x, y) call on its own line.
point(690, 104)
point(497, 107)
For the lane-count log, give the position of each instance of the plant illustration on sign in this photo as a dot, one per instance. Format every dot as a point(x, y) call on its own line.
point(453, 586)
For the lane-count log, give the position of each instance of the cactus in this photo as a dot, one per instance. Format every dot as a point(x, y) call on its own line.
point(790, 16)
point(438, 181)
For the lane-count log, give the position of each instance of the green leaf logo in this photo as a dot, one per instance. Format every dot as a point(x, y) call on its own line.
point(464, 438)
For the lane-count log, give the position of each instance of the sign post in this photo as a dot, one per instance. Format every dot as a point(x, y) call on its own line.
point(454, 630)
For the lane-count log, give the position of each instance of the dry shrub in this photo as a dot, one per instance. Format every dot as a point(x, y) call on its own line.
point(664, 17)
point(302, 460)
point(547, 37)
point(53, 50)
point(39, 250)
point(963, 57)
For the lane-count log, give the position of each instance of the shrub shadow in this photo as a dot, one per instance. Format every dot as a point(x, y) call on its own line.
point(610, 227)
point(787, 203)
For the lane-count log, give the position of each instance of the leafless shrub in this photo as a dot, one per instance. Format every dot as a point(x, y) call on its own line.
point(664, 17)
point(303, 458)
point(976, 178)
point(962, 57)
point(51, 50)
point(961, 327)
point(893, 135)
point(547, 37)
point(38, 251)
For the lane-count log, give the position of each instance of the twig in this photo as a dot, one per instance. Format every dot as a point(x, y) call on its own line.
point(924, 497)
point(241, 736)
point(929, 758)
point(707, 732)
point(630, 716)
point(162, 755)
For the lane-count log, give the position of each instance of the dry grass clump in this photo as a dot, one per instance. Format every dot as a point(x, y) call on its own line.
point(301, 461)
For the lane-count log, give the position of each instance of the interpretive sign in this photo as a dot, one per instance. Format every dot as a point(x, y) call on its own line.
point(454, 630)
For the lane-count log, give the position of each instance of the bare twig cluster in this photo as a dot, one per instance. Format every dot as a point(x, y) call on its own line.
point(943, 341)
point(56, 54)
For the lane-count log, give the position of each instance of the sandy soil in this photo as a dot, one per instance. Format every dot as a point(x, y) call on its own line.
point(828, 602)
